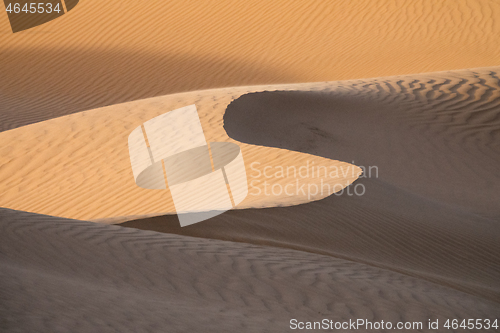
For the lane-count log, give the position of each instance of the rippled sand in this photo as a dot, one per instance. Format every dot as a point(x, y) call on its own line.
point(421, 243)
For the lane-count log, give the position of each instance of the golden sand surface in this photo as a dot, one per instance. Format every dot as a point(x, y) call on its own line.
point(81, 163)
point(108, 52)
point(412, 87)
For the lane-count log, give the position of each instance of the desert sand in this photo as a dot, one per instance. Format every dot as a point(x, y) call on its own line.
point(63, 275)
point(410, 88)
point(416, 216)
point(96, 142)
point(111, 52)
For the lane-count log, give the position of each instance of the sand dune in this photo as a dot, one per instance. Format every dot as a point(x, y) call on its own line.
point(115, 51)
point(96, 182)
point(421, 243)
point(79, 276)
point(432, 211)
point(434, 135)
point(82, 162)
point(433, 138)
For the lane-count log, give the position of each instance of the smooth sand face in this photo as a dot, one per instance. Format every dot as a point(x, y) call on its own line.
point(116, 51)
point(82, 163)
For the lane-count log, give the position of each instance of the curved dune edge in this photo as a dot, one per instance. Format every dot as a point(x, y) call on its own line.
point(433, 136)
point(390, 227)
point(81, 161)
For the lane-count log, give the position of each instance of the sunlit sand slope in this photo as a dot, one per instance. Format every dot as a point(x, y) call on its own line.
point(61, 275)
point(108, 52)
point(81, 162)
point(431, 210)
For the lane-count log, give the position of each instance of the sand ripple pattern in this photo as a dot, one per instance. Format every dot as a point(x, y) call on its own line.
point(61, 275)
point(432, 212)
point(116, 51)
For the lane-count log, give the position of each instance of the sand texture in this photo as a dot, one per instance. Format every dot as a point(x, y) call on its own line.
point(80, 276)
point(115, 51)
point(401, 98)
point(415, 221)
point(87, 152)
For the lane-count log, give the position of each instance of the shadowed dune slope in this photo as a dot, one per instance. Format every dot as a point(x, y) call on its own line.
point(434, 135)
point(113, 51)
point(61, 275)
point(433, 210)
